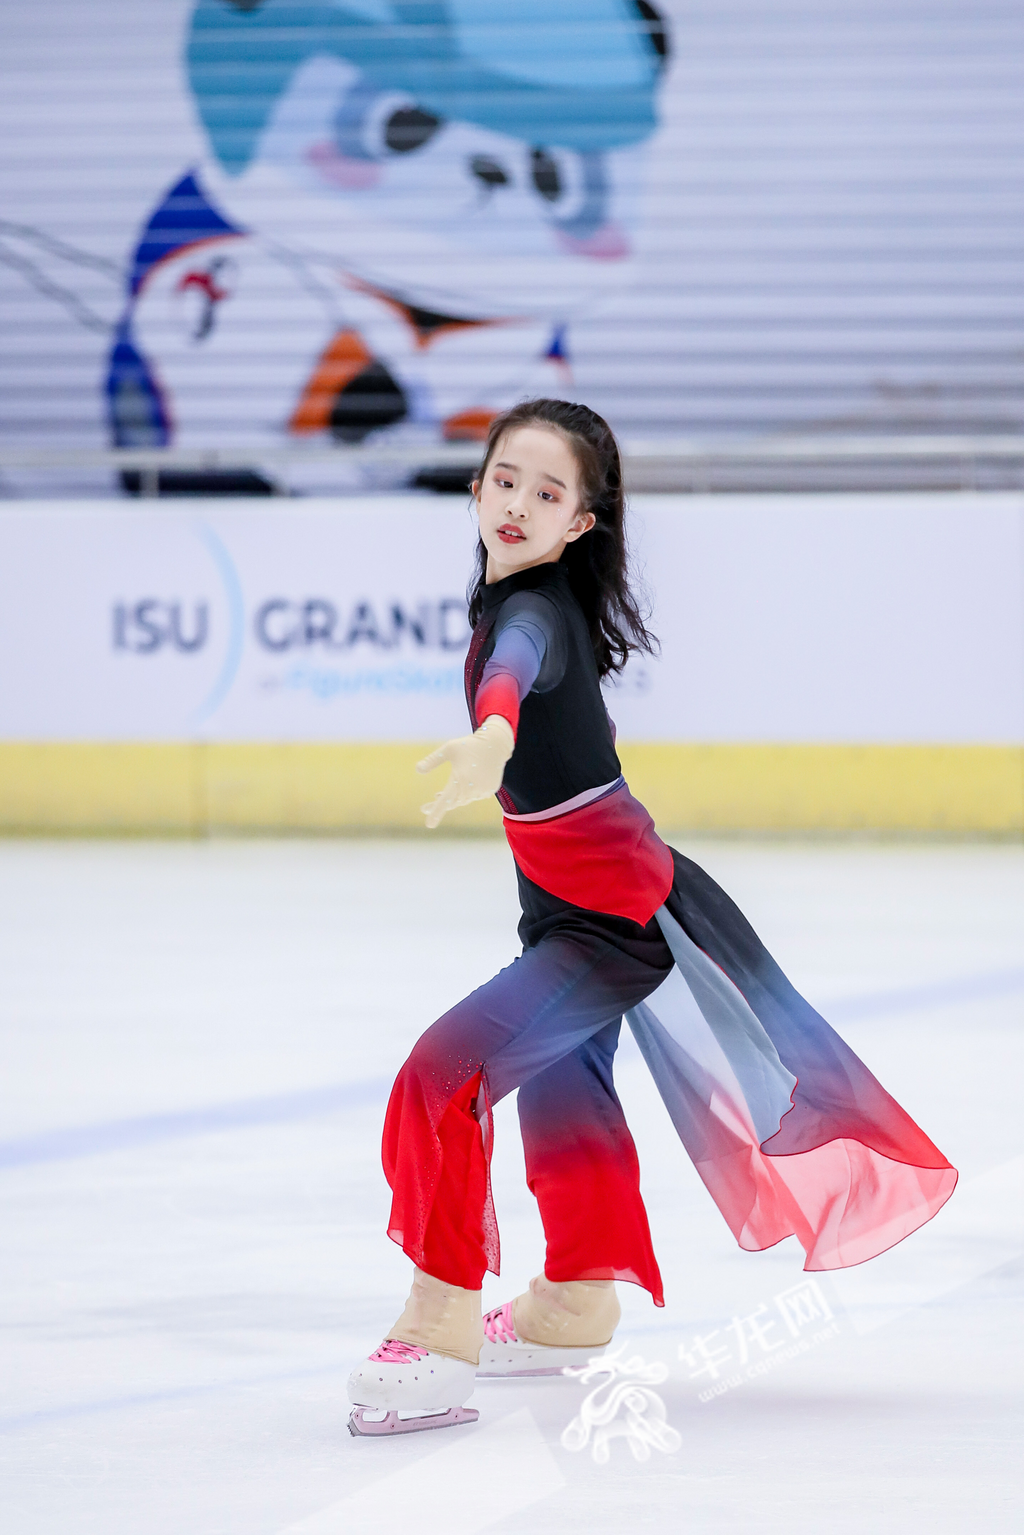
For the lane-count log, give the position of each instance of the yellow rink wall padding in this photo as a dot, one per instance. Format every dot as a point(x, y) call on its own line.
point(192, 788)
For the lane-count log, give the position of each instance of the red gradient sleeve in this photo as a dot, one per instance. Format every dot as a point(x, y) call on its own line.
point(511, 671)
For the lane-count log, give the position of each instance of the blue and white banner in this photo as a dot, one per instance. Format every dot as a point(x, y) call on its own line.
point(821, 619)
point(234, 624)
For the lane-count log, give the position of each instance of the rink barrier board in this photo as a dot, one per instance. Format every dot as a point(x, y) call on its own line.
point(191, 788)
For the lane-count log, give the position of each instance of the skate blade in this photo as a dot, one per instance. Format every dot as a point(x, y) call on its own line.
point(534, 1374)
point(406, 1423)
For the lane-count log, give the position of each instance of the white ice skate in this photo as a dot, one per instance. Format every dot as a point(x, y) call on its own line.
point(402, 1389)
point(504, 1353)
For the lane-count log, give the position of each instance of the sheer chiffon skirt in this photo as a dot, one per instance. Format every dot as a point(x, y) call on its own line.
point(789, 1130)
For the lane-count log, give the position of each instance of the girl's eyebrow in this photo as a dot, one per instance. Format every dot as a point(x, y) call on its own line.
point(502, 464)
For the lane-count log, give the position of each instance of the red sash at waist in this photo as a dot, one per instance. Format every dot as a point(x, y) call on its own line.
point(605, 857)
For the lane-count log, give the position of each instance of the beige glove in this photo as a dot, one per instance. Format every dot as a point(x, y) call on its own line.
point(478, 764)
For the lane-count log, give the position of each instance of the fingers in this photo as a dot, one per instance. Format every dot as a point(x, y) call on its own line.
point(471, 775)
point(435, 758)
point(437, 808)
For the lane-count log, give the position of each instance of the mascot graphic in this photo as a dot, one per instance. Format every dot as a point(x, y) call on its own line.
point(401, 209)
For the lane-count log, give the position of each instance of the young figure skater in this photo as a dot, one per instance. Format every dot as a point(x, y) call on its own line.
point(788, 1129)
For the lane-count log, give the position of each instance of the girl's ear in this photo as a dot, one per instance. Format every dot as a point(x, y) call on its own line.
point(583, 524)
point(475, 488)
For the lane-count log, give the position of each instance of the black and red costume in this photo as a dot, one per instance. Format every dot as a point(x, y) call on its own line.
point(787, 1127)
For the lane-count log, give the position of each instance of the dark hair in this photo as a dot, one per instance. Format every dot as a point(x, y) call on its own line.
point(598, 563)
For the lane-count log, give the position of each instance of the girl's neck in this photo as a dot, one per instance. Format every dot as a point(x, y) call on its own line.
point(496, 572)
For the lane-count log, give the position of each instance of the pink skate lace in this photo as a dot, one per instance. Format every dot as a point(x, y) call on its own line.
point(498, 1325)
point(392, 1351)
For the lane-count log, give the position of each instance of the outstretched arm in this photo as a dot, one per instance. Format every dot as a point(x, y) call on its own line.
point(478, 760)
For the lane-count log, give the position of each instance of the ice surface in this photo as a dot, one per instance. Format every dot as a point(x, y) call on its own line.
point(197, 1043)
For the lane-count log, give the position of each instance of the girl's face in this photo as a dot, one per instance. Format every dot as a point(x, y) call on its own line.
point(529, 502)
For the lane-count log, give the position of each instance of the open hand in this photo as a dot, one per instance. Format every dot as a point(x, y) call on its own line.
point(478, 765)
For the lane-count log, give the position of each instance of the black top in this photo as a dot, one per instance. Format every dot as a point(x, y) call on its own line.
point(564, 744)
